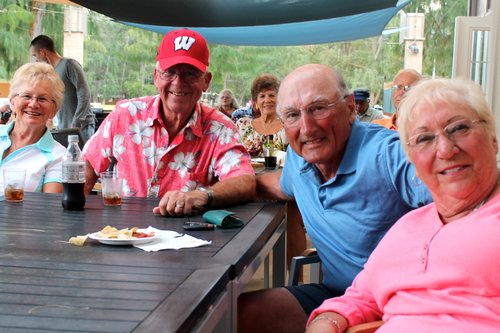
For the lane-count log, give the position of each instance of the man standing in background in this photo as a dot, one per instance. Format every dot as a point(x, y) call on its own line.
point(363, 110)
point(75, 111)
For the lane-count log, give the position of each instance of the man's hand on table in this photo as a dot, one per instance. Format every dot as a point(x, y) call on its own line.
point(177, 203)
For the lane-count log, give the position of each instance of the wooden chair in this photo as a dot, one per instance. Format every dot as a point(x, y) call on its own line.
point(365, 328)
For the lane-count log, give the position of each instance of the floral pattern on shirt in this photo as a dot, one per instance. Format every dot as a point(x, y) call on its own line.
point(206, 150)
point(253, 141)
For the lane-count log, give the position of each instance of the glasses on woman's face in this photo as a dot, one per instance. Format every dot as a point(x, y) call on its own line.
point(455, 132)
point(42, 100)
point(189, 76)
point(318, 110)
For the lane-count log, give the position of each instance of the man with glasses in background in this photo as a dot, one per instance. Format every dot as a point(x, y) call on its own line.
point(170, 145)
point(403, 81)
point(351, 181)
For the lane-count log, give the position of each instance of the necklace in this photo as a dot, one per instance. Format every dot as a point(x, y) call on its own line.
point(479, 205)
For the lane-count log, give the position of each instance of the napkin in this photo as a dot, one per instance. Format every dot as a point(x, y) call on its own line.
point(223, 219)
point(170, 240)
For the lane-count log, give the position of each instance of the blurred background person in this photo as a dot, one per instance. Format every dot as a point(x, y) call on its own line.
point(75, 110)
point(226, 103)
point(245, 111)
point(254, 131)
point(36, 93)
point(363, 110)
point(5, 114)
point(436, 269)
point(402, 82)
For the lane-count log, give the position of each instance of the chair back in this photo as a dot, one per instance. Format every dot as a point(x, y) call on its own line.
point(61, 135)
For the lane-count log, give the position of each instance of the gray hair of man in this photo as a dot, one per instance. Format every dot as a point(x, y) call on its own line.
point(34, 72)
point(458, 93)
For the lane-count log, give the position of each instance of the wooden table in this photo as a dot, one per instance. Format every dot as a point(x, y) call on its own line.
point(50, 285)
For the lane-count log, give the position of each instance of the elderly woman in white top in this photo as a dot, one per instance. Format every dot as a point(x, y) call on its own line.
point(36, 93)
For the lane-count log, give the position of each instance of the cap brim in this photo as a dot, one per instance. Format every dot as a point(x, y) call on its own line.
point(172, 61)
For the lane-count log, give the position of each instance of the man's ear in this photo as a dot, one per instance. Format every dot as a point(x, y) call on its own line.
point(208, 78)
point(351, 107)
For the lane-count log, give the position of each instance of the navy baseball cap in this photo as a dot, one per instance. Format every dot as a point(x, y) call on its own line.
point(361, 94)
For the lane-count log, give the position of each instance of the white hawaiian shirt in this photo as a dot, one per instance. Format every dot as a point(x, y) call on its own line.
point(206, 150)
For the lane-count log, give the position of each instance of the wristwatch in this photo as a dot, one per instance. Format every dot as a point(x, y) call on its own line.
point(209, 192)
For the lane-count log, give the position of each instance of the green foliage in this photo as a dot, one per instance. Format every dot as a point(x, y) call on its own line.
point(119, 60)
point(15, 21)
point(439, 28)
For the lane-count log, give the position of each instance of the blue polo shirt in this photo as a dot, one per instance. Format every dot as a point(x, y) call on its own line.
point(347, 216)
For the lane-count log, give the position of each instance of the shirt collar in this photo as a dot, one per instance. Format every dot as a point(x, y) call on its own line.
point(45, 143)
point(194, 122)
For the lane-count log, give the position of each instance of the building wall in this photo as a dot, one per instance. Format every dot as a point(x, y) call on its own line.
point(75, 28)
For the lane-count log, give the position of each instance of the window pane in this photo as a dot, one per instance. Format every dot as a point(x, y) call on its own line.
point(479, 56)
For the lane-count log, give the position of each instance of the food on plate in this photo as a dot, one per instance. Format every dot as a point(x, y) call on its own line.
point(126, 233)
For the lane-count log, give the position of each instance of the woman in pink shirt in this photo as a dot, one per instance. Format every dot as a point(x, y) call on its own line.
point(437, 269)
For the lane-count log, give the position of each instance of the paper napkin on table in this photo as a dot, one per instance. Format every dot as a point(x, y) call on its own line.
point(170, 240)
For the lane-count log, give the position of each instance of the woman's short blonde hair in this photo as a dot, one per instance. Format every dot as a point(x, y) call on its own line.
point(35, 72)
point(459, 93)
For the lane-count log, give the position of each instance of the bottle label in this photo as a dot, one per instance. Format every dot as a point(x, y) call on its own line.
point(73, 172)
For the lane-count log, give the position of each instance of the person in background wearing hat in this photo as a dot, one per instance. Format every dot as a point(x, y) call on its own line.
point(170, 145)
point(363, 110)
point(403, 80)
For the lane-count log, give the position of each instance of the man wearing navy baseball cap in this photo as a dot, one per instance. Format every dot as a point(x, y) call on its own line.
point(170, 145)
point(363, 110)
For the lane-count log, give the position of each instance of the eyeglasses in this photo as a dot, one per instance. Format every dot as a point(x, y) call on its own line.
point(188, 75)
point(42, 100)
point(455, 132)
point(317, 110)
point(405, 88)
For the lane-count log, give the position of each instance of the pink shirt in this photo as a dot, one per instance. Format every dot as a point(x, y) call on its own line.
point(151, 163)
point(428, 277)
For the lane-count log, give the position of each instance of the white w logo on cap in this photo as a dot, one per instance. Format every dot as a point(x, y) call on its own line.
point(183, 43)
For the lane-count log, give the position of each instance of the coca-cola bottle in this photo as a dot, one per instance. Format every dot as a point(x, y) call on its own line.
point(73, 176)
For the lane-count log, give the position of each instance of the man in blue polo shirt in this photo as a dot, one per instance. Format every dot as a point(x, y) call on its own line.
point(351, 182)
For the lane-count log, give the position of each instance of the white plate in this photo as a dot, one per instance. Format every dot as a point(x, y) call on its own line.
point(131, 241)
